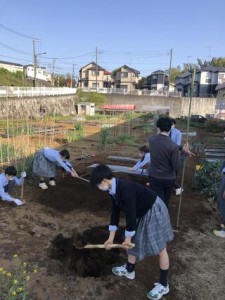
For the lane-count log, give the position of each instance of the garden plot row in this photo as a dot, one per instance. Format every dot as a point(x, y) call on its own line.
point(215, 153)
point(12, 132)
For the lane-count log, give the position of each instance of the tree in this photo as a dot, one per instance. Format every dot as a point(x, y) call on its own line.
point(218, 62)
point(190, 67)
point(142, 83)
point(92, 97)
point(174, 73)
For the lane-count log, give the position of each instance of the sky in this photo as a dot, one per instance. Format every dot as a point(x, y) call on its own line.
point(139, 34)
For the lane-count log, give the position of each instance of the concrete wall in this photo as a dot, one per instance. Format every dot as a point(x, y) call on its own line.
point(64, 105)
point(19, 107)
point(178, 106)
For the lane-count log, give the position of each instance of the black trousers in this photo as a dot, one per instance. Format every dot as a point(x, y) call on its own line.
point(163, 188)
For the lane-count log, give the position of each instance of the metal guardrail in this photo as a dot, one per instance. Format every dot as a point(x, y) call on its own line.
point(18, 92)
point(131, 92)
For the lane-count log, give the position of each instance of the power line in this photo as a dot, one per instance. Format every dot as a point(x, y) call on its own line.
point(15, 58)
point(15, 32)
point(14, 49)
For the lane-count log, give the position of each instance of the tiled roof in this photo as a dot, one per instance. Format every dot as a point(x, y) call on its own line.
point(220, 86)
point(10, 63)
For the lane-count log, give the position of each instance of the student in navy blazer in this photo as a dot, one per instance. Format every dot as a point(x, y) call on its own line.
point(147, 225)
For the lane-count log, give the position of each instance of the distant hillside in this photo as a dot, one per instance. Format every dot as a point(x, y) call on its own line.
point(8, 78)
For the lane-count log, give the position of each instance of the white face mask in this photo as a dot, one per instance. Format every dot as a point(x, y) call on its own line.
point(10, 178)
point(103, 188)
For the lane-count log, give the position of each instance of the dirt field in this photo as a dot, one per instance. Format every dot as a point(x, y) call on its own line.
point(48, 232)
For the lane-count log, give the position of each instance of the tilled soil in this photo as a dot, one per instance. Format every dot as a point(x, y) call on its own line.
point(48, 232)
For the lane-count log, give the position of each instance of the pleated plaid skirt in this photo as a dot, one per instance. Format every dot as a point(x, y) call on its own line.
point(42, 166)
point(153, 232)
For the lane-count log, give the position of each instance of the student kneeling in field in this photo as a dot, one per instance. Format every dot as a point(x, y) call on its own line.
point(45, 162)
point(8, 180)
point(145, 159)
point(147, 225)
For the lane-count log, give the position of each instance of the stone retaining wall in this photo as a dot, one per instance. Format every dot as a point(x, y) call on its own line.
point(21, 107)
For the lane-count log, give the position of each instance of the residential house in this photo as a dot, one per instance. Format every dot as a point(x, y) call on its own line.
point(92, 76)
point(125, 78)
point(158, 80)
point(41, 73)
point(183, 83)
point(220, 101)
point(206, 80)
point(210, 77)
point(11, 67)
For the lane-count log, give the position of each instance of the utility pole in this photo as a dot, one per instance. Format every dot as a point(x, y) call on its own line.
point(35, 63)
point(96, 69)
point(53, 71)
point(171, 57)
point(72, 77)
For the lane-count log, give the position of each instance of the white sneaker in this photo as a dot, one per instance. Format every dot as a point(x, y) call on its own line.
point(43, 185)
point(179, 191)
point(52, 183)
point(122, 271)
point(158, 291)
point(219, 233)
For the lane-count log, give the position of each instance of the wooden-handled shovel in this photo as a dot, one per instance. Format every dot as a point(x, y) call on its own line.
point(102, 246)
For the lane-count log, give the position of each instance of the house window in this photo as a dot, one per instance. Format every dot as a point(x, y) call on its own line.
point(124, 74)
point(94, 84)
point(208, 80)
point(95, 73)
point(123, 86)
point(154, 76)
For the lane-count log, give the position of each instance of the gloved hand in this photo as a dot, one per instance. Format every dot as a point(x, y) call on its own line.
point(23, 174)
point(18, 202)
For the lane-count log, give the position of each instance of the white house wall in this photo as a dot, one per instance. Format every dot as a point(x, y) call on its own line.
point(12, 68)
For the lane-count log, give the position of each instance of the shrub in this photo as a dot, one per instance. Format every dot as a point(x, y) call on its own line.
point(215, 125)
point(207, 179)
point(76, 134)
point(103, 137)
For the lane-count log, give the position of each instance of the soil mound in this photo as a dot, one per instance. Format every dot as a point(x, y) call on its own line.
point(86, 262)
point(71, 193)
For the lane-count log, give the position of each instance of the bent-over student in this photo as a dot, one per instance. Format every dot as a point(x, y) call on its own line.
point(8, 180)
point(145, 159)
point(147, 225)
point(45, 162)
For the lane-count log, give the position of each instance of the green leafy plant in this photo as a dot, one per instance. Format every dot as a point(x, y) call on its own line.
point(16, 131)
point(76, 134)
point(13, 282)
point(124, 140)
point(8, 152)
point(103, 137)
point(207, 179)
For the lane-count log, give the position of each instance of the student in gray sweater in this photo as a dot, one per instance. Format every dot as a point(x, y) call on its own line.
point(165, 160)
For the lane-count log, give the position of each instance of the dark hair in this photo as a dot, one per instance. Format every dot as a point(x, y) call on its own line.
point(173, 121)
point(11, 171)
point(99, 173)
point(144, 149)
point(164, 124)
point(65, 153)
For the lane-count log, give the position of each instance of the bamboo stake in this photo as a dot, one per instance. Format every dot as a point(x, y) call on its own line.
point(187, 132)
point(7, 130)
